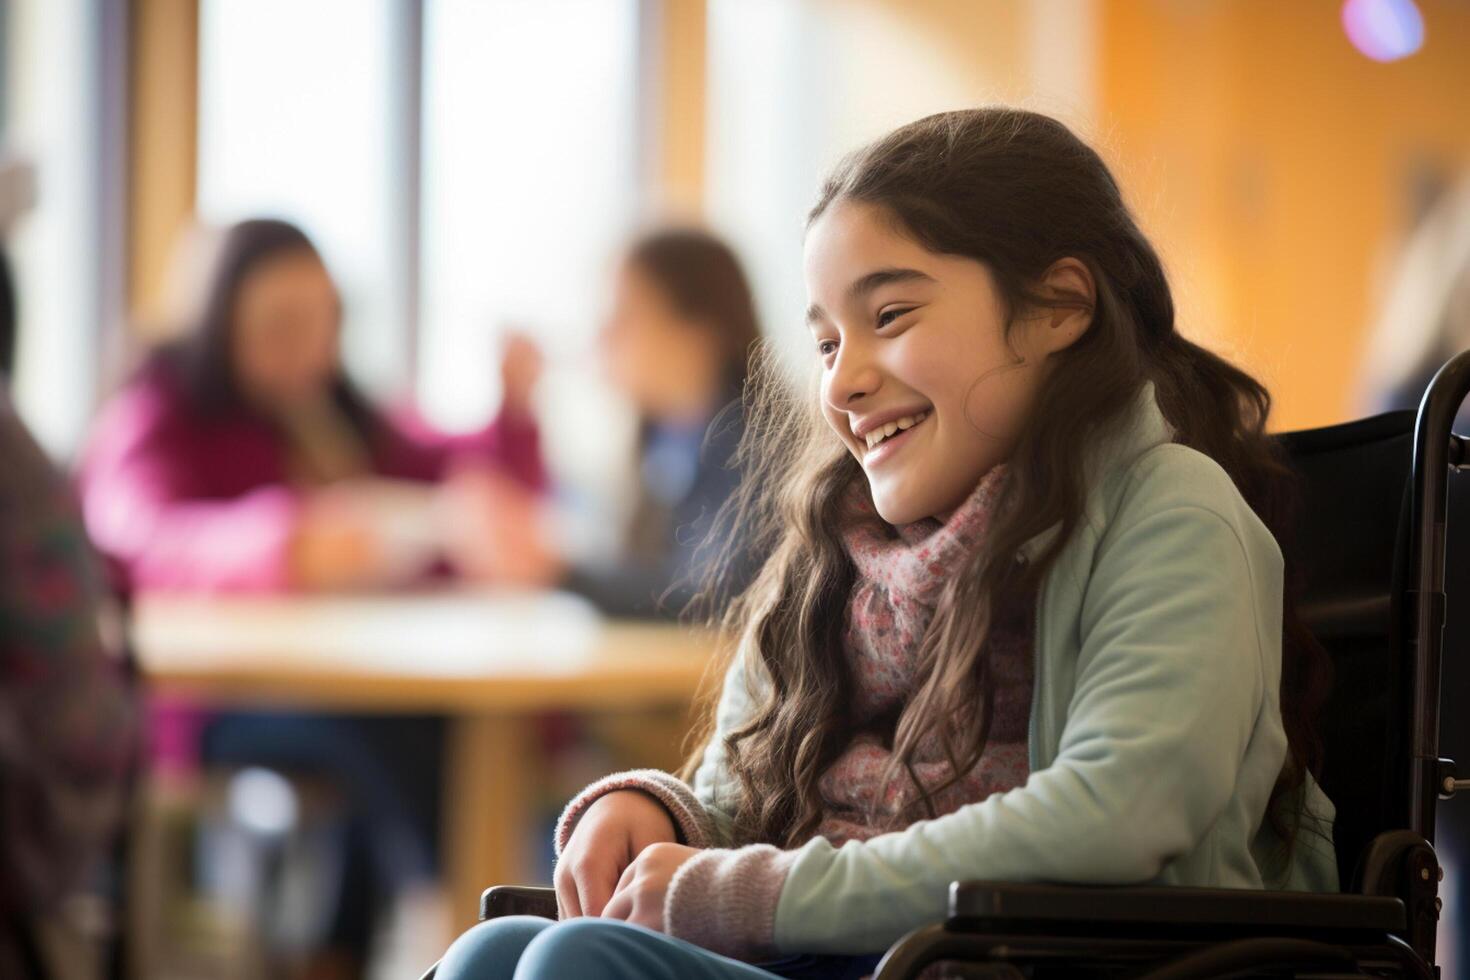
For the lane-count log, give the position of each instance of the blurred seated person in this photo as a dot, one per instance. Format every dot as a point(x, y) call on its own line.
point(242, 458)
point(676, 343)
point(1424, 313)
point(68, 717)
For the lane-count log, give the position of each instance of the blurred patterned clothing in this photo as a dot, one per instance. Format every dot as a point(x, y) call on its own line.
point(68, 721)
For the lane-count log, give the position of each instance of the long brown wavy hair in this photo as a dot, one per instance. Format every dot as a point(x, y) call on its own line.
point(1016, 191)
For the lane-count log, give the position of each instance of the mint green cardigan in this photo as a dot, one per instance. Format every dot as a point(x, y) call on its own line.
point(1155, 737)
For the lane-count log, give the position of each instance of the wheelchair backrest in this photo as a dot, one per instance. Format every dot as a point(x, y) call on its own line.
point(1352, 544)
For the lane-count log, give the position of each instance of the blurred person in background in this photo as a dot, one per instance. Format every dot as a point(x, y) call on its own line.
point(240, 458)
point(1423, 320)
point(67, 710)
point(1424, 317)
point(676, 343)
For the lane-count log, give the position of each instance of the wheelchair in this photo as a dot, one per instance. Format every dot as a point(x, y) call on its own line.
point(1372, 539)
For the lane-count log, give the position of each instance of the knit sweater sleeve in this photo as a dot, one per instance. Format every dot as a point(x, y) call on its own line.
point(702, 812)
point(725, 900)
point(691, 822)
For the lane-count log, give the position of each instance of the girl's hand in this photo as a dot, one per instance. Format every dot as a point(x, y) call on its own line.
point(640, 894)
point(614, 831)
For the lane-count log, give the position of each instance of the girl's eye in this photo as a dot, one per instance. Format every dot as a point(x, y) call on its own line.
point(888, 316)
point(826, 347)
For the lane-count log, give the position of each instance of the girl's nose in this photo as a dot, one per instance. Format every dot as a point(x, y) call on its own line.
point(854, 376)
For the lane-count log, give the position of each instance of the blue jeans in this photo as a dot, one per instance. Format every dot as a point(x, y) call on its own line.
point(522, 947)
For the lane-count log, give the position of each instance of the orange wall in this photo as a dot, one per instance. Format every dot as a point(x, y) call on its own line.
point(1271, 163)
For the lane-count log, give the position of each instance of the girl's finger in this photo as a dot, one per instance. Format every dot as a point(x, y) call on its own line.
point(626, 878)
point(621, 905)
point(567, 906)
point(595, 887)
point(648, 918)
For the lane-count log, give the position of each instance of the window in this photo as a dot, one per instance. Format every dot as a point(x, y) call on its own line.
point(489, 201)
point(298, 120)
point(62, 69)
point(529, 174)
point(766, 133)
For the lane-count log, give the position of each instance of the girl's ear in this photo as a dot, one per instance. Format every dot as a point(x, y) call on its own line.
point(1069, 284)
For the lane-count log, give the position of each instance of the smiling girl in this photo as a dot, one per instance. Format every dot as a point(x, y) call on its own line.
point(1025, 616)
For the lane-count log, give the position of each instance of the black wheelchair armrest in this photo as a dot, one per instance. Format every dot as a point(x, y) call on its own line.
point(518, 900)
point(1213, 930)
point(1031, 908)
point(995, 906)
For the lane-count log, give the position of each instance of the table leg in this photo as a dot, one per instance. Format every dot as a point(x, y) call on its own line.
point(487, 803)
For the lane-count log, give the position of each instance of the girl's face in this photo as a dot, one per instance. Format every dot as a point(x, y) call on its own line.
point(918, 377)
point(284, 338)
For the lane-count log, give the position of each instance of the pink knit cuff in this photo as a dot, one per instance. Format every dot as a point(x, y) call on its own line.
point(691, 823)
point(725, 900)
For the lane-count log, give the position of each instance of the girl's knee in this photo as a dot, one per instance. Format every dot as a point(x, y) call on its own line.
point(586, 947)
point(491, 950)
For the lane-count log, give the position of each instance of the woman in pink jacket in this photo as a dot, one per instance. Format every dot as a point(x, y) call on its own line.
point(242, 459)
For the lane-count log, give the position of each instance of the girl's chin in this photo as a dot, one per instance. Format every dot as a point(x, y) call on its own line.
point(910, 500)
point(897, 508)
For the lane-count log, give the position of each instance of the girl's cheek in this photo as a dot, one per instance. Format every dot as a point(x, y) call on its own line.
point(996, 404)
point(830, 415)
point(836, 426)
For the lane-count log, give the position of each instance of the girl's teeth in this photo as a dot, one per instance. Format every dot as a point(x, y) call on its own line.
point(883, 432)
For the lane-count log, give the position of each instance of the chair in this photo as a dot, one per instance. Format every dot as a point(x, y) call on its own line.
point(1373, 539)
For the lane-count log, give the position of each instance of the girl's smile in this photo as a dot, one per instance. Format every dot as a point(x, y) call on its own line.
point(878, 439)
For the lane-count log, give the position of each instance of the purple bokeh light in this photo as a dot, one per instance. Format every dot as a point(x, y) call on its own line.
point(1384, 30)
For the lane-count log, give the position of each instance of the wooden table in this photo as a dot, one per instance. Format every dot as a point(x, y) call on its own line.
point(487, 661)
